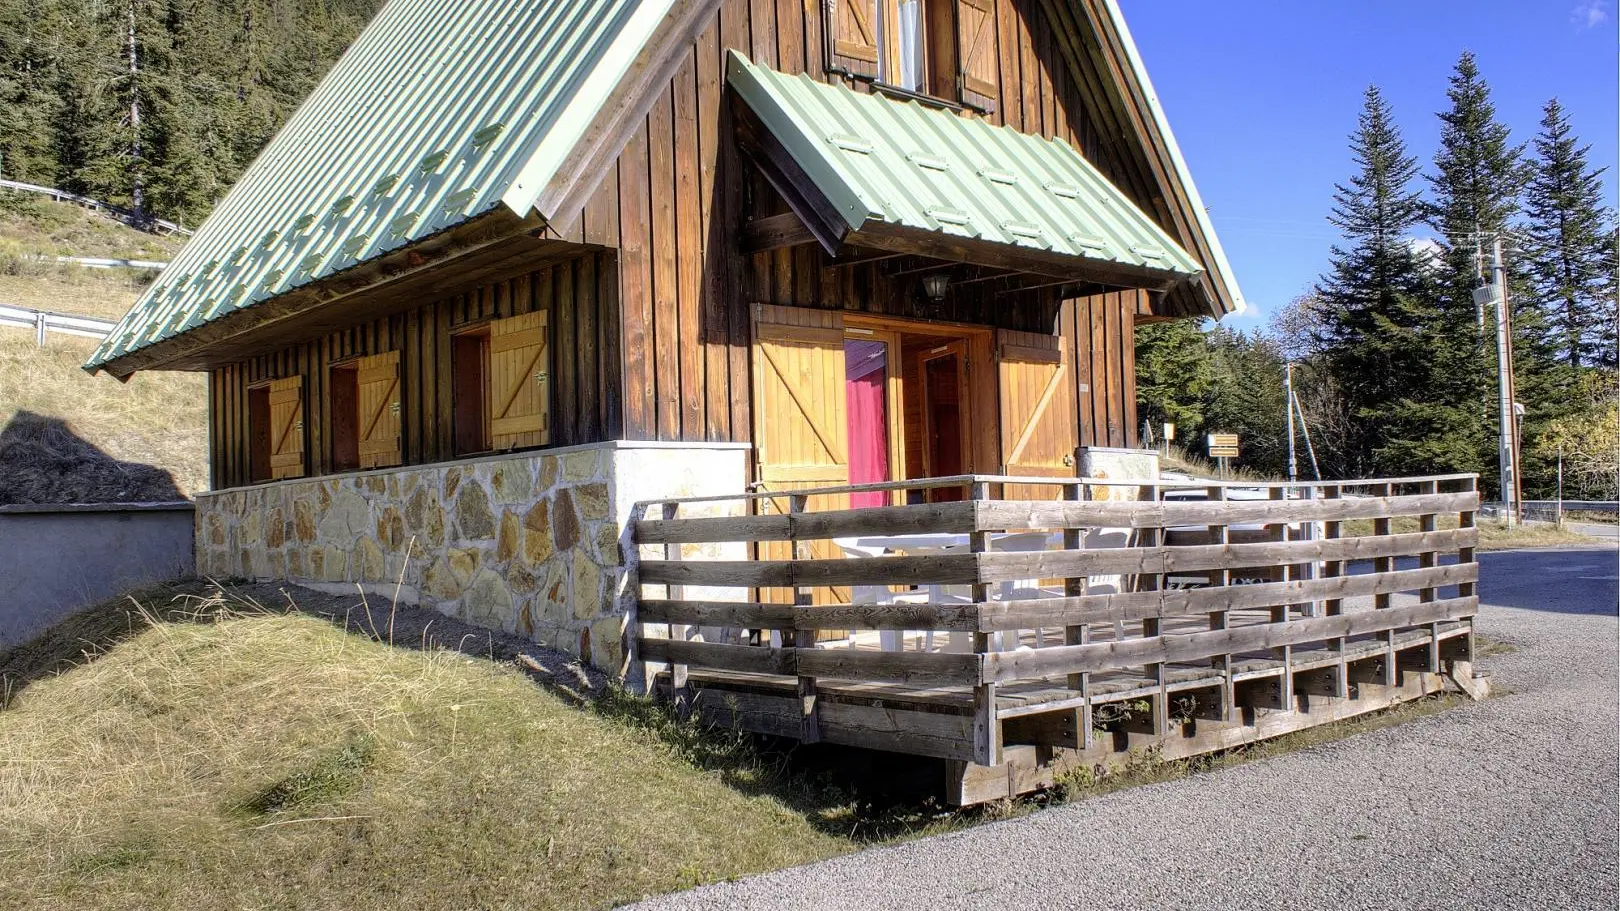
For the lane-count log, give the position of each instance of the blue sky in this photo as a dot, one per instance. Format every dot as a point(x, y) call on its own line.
point(1262, 95)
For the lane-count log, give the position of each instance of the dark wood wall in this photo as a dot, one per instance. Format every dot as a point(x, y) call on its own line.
point(581, 296)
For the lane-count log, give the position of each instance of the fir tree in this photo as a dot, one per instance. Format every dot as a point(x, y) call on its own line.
point(1375, 302)
point(1477, 179)
point(1569, 246)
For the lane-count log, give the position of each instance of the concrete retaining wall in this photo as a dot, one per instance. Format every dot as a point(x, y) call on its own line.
point(531, 543)
point(57, 560)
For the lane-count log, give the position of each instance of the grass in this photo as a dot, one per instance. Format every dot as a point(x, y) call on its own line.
point(33, 224)
point(99, 293)
point(156, 419)
point(253, 759)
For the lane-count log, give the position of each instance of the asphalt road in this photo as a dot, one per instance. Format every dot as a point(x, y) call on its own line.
point(1508, 803)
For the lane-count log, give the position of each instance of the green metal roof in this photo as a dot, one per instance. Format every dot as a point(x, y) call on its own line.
point(438, 112)
point(876, 159)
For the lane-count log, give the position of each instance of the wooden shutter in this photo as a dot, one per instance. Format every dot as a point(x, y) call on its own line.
point(1039, 436)
point(852, 32)
point(801, 434)
point(378, 379)
point(287, 428)
point(976, 52)
point(519, 382)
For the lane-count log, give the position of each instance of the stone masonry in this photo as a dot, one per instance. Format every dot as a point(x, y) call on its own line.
point(530, 543)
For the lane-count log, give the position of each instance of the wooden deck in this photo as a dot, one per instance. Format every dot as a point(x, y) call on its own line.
point(1207, 624)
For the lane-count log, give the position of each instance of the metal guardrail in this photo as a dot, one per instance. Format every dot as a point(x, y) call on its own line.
point(92, 262)
point(42, 321)
point(143, 222)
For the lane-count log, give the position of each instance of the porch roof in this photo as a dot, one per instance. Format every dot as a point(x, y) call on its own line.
point(872, 171)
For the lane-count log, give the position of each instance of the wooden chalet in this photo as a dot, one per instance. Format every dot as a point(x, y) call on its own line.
point(518, 272)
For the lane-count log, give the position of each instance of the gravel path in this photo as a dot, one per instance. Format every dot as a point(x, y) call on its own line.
point(1509, 803)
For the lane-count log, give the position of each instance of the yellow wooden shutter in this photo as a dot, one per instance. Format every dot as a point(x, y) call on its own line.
point(519, 382)
point(1039, 436)
point(801, 434)
point(853, 27)
point(378, 378)
point(976, 55)
point(287, 428)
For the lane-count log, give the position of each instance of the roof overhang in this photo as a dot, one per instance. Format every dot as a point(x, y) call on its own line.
point(861, 170)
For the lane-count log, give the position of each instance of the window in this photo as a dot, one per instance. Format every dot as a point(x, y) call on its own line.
point(276, 429)
point(501, 385)
point(943, 48)
point(365, 412)
point(469, 364)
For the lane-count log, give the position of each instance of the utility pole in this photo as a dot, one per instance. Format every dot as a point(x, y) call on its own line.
point(1508, 445)
point(1288, 388)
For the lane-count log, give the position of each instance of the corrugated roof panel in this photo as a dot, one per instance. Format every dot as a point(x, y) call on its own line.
point(437, 113)
point(898, 162)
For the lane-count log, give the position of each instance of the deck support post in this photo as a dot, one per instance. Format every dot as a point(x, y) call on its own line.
point(809, 717)
point(1074, 538)
point(1333, 607)
point(1284, 613)
point(1381, 528)
point(678, 695)
point(1221, 578)
point(986, 726)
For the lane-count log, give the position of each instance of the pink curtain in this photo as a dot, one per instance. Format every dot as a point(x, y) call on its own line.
point(868, 437)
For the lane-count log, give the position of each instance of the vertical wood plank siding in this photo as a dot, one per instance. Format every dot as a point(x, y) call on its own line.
point(422, 336)
point(650, 325)
point(686, 336)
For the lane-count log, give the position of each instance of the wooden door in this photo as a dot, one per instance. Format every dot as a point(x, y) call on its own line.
point(287, 427)
point(519, 382)
point(377, 382)
point(947, 415)
point(800, 426)
point(1039, 425)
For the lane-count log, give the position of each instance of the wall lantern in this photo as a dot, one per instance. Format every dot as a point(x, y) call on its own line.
point(934, 286)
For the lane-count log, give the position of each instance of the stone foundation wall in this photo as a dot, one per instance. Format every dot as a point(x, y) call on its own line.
point(531, 543)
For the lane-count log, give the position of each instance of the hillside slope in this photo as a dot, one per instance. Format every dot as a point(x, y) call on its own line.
point(157, 419)
point(260, 760)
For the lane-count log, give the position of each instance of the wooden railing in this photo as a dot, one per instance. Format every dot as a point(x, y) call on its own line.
point(1316, 586)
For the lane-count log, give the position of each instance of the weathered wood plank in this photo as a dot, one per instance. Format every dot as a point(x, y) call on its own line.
point(756, 615)
point(1003, 514)
point(748, 658)
point(953, 569)
point(931, 518)
point(1002, 667)
point(1128, 607)
point(895, 667)
point(999, 567)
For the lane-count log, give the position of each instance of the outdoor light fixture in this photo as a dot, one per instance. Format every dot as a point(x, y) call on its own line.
point(934, 286)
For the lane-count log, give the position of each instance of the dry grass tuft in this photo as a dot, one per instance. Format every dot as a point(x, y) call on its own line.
point(257, 759)
point(158, 419)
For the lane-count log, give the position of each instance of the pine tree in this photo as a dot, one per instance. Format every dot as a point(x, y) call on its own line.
point(1172, 375)
point(1477, 179)
point(1569, 246)
point(1375, 303)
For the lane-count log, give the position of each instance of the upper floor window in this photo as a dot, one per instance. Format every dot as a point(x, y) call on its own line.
point(943, 48)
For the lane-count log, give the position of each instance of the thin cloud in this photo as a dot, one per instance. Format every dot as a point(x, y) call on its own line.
point(1589, 13)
